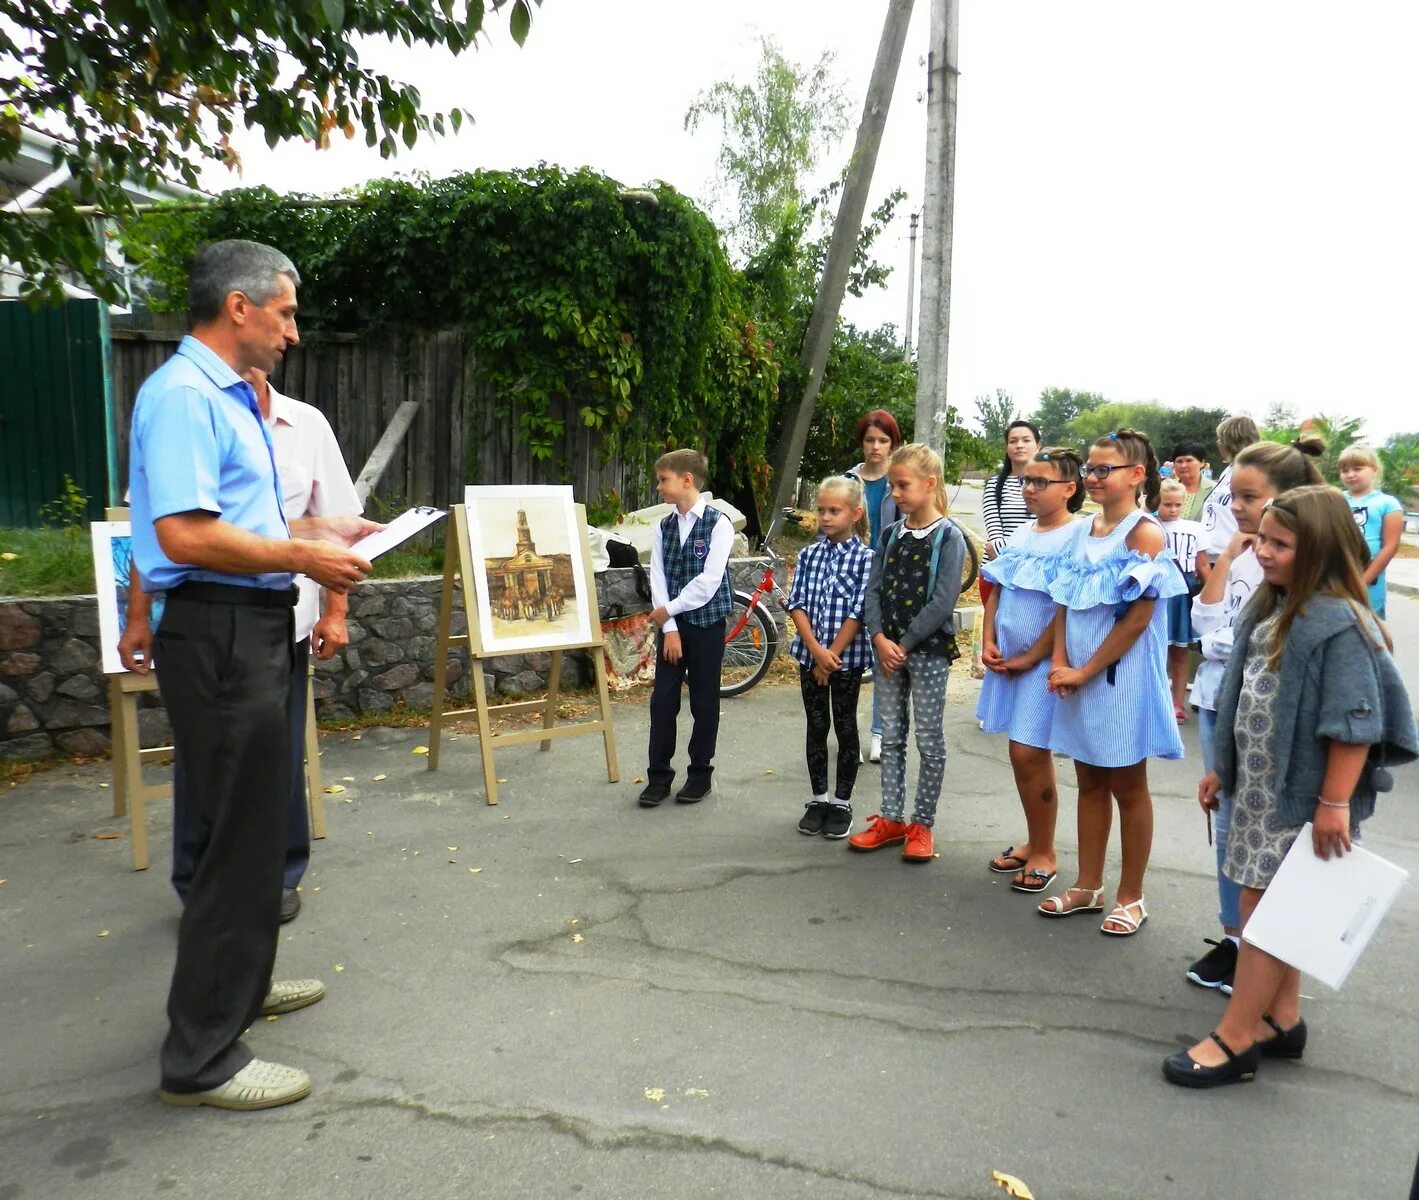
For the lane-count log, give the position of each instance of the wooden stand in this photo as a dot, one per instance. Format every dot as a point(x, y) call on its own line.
point(457, 568)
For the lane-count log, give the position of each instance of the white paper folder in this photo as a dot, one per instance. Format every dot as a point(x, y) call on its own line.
point(1317, 915)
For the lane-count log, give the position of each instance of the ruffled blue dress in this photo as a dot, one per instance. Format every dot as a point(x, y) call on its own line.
point(1020, 705)
point(1124, 714)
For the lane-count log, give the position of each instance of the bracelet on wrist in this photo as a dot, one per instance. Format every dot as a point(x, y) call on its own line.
point(1333, 803)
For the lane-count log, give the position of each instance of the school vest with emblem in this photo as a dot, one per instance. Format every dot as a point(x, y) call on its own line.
point(683, 562)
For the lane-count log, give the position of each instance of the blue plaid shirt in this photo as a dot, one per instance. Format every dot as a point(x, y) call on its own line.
point(829, 584)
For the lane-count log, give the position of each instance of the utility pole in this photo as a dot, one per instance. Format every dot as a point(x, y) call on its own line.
point(934, 335)
point(823, 324)
point(911, 288)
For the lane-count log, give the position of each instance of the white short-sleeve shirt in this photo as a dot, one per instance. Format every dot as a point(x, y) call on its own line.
point(314, 482)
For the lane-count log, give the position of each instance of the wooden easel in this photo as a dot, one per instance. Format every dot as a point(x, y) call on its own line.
point(458, 568)
point(131, 794)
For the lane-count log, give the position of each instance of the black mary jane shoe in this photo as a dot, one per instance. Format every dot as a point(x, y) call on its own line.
point(1180, 1068)
point(1288, 1043)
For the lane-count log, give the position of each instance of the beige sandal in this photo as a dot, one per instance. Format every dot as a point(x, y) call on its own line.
point(1122, 916)
point(1059, 906)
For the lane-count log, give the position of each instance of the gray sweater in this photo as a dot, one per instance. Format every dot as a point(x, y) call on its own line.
point(1336, 683)
point(940, 610)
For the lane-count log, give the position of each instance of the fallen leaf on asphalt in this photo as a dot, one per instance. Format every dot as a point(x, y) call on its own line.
point(347, 779)
point(108, 837)
point(420, 750)
point(357, 737)
point(768, 772)
point(334, 789)
point(103, 933)
point(2, 882)
point(103, 785)
point(502, 780)
point(638, 779)
point(272, 1017)
point(377, 778)
point(655, 1095)
point(453, 860)
point(339, 967)
point(696, 1092)
point(475, 870)
point(451, 849)
point(571, 862)
point(576, 937)
point(1012, 1186)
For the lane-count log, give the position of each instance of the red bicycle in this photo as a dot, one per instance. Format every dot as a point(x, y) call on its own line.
point(751, 636)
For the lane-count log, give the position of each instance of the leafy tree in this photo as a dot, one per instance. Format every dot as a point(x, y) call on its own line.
point(866, 369)
point(995, 414)
point(1336, 431)
point(1060, 406)
point(150, 89)
point(1102, 419)
point(775, 130)
point(1399, 459)
point(1189, 425)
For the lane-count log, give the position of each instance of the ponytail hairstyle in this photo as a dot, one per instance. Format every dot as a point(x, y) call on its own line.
point(1329, 552)
point(853, 492)
point(1234, 435)
point(1137, 451)
point(1005, 466)
point(1067, 464)
point(1285, 467)
point(922, 459)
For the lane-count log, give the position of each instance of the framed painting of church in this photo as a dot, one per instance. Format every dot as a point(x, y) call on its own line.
point(526, 549)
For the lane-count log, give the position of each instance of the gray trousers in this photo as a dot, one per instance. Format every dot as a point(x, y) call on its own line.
point(921, 682)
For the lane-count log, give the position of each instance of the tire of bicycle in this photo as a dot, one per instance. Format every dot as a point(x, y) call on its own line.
point(747, 659)
point(972, 568)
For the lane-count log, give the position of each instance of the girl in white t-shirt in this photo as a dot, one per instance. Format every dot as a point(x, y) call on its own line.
point(1260, 473)
point(1185, 541)
point(1234, 435)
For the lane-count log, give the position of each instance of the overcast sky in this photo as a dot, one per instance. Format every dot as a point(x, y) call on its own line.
point(1194, 203)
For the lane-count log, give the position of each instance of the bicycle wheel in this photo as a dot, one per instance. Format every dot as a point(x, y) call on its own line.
point(747, 655)
point(971, 567)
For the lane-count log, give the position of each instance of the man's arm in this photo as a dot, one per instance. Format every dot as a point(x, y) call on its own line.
point(135, 647)
point(199, 539)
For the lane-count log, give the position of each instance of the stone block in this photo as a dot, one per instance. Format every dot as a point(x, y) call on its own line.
point(351, 683)
point(41, 686)
point(8, 695)
point(375, 652)
point(73, 656)
point(524, 683)
point(420, 649)
point(330, 711)
point(490, 682)
point(22, 720)
point(356, 630)
point(35, 745)
point(154, 729)
point(18, 662)
point(85, 620)
point(322, 687)
point(458, 623)
point(79, 687)
point(375, 701)
point(393, 628)
point(68, 714)
point(408, 606)
point(87, 743)
point(368, 603)
point(420, 696)
point(401, 676)
point(353, 659)
point(18, 630)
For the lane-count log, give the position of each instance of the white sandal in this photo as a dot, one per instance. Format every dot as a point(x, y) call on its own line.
point(1056, 906)
point(1122, 916)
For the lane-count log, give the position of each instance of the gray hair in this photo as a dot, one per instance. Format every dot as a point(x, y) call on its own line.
point(221, 268)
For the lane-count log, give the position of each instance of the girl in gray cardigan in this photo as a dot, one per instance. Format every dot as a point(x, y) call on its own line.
point(1310, 716)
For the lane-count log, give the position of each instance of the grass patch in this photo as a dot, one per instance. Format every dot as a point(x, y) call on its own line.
point(46, 562)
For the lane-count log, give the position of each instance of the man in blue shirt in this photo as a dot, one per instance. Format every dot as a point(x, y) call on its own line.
point(208, 530)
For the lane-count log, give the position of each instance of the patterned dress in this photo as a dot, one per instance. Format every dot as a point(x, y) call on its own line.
point(1258, 841)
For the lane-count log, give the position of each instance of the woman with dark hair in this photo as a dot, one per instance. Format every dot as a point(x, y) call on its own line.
point(1003, 503)
point(879, 436)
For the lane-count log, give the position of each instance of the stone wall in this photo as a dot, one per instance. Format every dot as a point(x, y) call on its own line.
point(54, 693)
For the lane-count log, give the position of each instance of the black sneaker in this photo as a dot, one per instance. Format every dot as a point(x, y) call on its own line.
point(653, 794)
point(695, 789)
point(813, 817)
point(1215, 968)
point(839, 822)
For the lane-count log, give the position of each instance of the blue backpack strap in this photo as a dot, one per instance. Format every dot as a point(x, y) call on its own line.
point(938, 540)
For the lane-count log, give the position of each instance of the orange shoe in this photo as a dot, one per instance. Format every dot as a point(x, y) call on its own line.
point(920, 846)
point(879, 832)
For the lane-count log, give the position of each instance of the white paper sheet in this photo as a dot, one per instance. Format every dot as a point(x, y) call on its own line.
point(1318, 915)
point(399, 530)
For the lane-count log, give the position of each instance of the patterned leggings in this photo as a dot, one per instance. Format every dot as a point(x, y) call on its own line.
point(831, 705)
point(922, 680)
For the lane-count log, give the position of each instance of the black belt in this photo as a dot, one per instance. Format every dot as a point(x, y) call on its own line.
point(231, 593)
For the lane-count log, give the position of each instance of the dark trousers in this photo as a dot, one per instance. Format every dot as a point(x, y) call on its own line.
point(831, 705)
point(184, 821)
point(702, 654)
point(225, 677)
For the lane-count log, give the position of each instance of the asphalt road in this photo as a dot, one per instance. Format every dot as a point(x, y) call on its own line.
point(566, 996)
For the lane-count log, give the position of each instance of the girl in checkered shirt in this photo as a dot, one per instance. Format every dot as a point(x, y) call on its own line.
point(825, 606)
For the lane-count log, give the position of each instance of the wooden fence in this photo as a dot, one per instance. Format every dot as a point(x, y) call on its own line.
point(463, 432)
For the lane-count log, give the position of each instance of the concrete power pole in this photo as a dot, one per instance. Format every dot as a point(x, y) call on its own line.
point(911, 289)
point(933, 338)
point(823, 324)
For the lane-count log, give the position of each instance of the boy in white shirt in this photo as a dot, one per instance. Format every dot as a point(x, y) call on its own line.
point(1185, 540)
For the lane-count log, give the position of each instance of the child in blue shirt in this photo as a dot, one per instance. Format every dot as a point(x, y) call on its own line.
point(1378, 516)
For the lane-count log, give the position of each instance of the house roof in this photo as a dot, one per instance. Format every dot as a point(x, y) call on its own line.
point(35, 163)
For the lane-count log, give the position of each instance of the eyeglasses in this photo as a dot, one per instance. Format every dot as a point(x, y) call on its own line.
point(1104, 470)
point(1036, 482)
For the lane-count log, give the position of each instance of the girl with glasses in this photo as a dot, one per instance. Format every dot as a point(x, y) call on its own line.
point(1017, 641)
point(1113, 710)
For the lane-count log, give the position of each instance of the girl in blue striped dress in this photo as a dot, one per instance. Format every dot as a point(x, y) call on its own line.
point(1110, 673)
point(1017, 641)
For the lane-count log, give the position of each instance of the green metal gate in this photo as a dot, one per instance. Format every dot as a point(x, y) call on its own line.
point(53, 407)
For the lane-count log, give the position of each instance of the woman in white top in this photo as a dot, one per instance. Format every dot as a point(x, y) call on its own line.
point(1003, 503)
